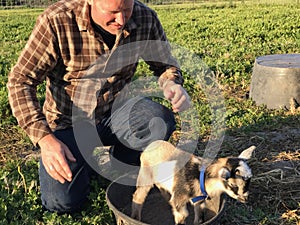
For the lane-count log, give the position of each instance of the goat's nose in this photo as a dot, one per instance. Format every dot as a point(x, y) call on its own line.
point(243, 198)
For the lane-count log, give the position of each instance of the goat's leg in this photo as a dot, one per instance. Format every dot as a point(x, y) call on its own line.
point(138, 200)
point(198, 212)
point(179, 209)
point(141, 192)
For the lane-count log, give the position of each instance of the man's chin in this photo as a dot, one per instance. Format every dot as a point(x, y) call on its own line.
point(114, 29)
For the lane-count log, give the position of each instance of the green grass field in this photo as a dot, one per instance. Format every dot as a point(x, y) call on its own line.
point(228, 38)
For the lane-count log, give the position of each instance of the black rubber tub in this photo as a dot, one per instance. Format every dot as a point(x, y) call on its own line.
point(276, 81)
point(156, 210)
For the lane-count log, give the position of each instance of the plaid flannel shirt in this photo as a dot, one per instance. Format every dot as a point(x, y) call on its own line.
point(66, 52)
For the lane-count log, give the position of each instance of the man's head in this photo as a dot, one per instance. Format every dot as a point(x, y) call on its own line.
point(111, 15)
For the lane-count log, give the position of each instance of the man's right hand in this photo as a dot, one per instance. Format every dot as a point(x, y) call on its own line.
point(54, 155)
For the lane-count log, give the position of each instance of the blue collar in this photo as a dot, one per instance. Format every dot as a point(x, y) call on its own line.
point(202, 188)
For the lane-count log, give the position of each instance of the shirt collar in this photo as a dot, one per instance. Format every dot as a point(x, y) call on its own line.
point(130, 25)
point(83, 18)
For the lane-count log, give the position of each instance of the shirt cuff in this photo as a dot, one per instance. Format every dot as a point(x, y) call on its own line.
point(171, 74)
point(37, 131)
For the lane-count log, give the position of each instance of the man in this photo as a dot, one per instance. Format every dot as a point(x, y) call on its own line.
point(73, 42)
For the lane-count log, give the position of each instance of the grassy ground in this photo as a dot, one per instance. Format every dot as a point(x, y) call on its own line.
point(228, 39)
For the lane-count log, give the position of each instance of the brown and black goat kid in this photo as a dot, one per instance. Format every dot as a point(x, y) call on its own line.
point(178, 173)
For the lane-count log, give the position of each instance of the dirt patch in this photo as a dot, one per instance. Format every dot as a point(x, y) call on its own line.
point(14, 145)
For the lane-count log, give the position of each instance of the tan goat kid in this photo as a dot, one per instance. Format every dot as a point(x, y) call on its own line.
point(177, 173)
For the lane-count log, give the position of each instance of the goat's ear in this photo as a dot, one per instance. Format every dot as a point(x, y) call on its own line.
point(224, 173)
point(247, 153)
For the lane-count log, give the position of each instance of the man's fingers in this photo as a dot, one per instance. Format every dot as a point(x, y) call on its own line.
point(177, 106)
point(62, 167)
point(54, 174)
point(69, 155)
point(178, 97)
point(181, 105)
point(180, 101)
point(55, 155)
point(58, 168)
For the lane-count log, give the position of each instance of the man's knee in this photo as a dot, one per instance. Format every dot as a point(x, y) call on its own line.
point(67, 197)
point(63, 204)
point(142, 118)
point(162, 121)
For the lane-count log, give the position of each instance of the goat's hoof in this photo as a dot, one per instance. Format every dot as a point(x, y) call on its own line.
point(136, 211)
point(197, 222)
point(135, 216)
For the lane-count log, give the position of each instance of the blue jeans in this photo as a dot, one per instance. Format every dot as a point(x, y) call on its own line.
point(131, 127)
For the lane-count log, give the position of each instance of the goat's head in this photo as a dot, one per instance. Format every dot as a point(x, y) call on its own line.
point(235, 175)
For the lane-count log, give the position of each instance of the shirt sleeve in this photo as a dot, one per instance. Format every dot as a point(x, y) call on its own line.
point(37, 58)
point(162, 62)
